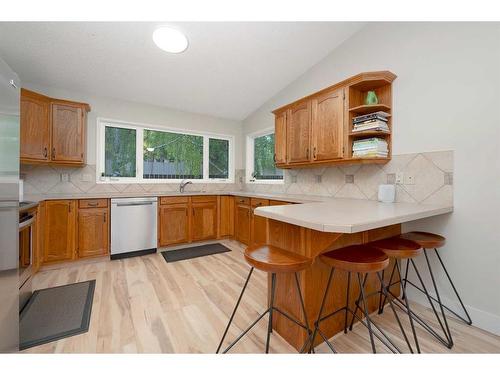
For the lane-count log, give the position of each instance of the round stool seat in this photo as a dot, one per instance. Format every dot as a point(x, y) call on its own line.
point(356, 258)
point(425, 239)
point(397, 247)
point(273, 259)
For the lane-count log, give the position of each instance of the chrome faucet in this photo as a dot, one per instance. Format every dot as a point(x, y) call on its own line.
point(183, 185)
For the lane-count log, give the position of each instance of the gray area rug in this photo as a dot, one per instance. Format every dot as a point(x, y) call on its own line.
point(55, 313)
point(194, 252)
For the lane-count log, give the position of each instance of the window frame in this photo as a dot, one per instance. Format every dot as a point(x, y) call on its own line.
point(250, 139)
point(139, 128)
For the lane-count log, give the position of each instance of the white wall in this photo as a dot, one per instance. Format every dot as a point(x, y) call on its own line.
point(446, 96)
point(146, 114)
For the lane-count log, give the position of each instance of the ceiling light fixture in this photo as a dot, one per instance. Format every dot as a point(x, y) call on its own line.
point(170, 40)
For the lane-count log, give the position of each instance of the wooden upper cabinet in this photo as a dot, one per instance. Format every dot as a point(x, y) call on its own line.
point(35, 127)
point(298, 131)
point(280, 138)
point(59, 230)
point(319, 130)
point(327, 125)
point(68, 133)
point(173, 224)
point(203, 221)
point(93, 232)
point(52, 130)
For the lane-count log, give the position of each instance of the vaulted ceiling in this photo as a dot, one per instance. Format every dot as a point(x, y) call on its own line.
point(229, 69)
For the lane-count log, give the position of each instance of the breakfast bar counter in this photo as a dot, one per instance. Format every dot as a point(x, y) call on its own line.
point(310, 229)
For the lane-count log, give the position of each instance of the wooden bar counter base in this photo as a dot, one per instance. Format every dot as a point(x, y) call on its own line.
point(311, 243)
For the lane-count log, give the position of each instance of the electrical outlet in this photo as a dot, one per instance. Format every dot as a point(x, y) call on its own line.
point(409, 179)
point(64, 177)
point(400, 177)
point(86, 177)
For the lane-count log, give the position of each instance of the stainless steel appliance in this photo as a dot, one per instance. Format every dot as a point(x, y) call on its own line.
point(9, 208)
point(133, 226)
point(26, 223)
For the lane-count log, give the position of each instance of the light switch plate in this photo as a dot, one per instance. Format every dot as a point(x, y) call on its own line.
point(400, 177)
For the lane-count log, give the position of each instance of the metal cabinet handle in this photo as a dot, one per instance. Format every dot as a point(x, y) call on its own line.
point(314, 153)
point(92, 204)
point(45, 152)
point(69, 206)
point(274, 157)
point(105, 217)
point(307, 154)
point(53, 153)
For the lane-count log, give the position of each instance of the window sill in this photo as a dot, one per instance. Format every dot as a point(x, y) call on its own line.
point(265, 182)
point(168, 182)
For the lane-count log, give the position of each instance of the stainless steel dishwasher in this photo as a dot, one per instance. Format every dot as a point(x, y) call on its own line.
point(133, 226)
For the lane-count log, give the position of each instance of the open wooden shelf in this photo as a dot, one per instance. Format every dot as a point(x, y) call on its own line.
point(369, 133)
point(364, 109)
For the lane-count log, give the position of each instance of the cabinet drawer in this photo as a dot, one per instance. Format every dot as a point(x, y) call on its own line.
point(243, 200)
point(170, 200)
point(93, 203)
point(257, 202)
point(203, 198)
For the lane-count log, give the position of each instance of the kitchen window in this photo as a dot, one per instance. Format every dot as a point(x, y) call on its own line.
point(260, 159)
point(128, 153)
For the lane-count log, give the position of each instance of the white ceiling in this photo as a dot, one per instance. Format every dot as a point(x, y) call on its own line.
point(229, 69)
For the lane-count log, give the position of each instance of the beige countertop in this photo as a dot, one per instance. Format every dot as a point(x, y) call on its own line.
point(325, 214)
point(350, 215)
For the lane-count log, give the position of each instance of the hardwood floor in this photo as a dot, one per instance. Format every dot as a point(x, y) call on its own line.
point(145, 305)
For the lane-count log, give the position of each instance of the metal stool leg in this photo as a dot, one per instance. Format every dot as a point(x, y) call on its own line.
point(450, 339)
point(271, 308)
point(306, 320)
point(468, 320)
point(407, 303)
point(347, 301)
point(312, 337)
point(357, 305)
point(234, 311)
point(367, 316)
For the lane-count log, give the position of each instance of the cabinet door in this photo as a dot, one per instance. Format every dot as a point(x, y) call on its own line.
point(258, 225)
point(174, 224)
point(280, 138)
point(68, 133)
point(242, 224)
point(93, 232)
point(35, 128)
point(328, 125)
point(60, 230)
point(226, 216)
point(298, 129)
point(203, 221)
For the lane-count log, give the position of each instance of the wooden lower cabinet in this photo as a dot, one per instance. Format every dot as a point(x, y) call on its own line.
point(258, 224)
point(242, 223)
point(226, 216)
point(203, 221)
point(93, 232)
point(173, 224)
point(59, 223)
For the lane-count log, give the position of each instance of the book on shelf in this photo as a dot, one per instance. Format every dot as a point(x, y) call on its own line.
point(371, 125)
point(379, 115)
point(370, 147)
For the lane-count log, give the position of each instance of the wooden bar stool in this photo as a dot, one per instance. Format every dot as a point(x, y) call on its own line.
point(429, 241)
point(398, 249)
point(359, 259)
point(271, 259)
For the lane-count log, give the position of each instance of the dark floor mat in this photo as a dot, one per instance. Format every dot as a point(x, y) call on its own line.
point(55, 313)
point(194, 252)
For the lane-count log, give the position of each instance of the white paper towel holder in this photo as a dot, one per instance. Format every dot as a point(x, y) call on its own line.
point(387, 193)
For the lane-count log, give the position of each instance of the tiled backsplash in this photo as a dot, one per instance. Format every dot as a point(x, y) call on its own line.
point(432, 174)
point(43, 180)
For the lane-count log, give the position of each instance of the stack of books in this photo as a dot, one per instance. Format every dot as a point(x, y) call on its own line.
point(370, 148)
point(372, 121)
